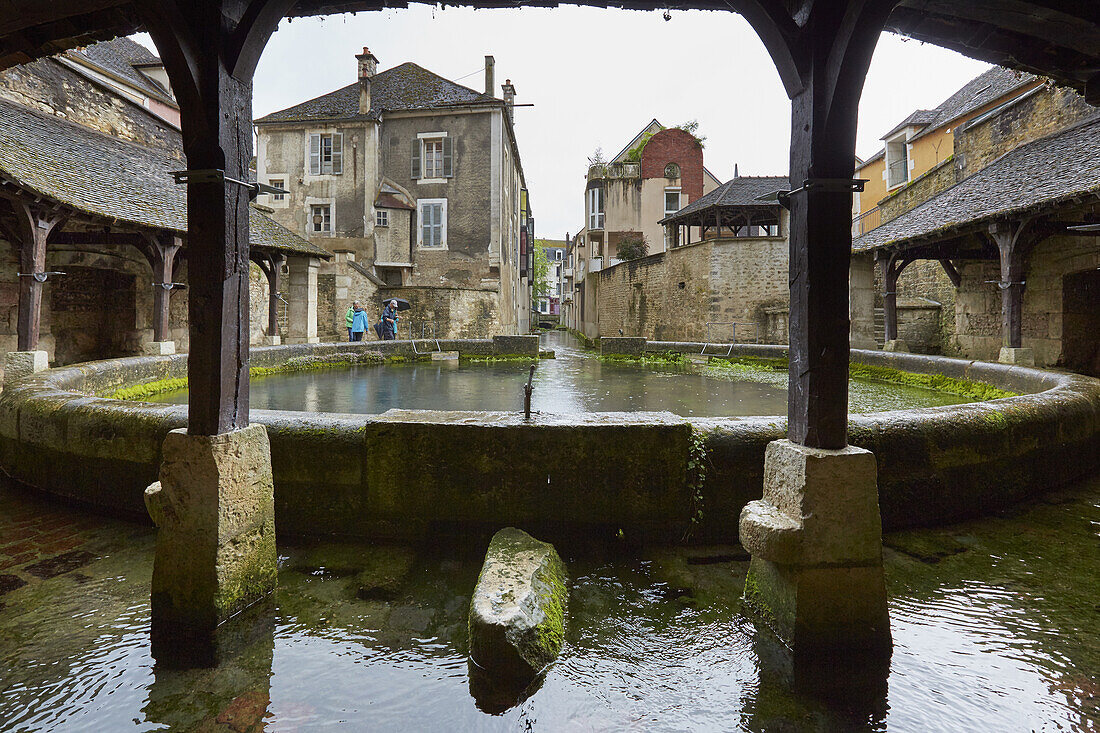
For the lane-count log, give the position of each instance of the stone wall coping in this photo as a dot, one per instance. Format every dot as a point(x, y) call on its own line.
point(936, 464)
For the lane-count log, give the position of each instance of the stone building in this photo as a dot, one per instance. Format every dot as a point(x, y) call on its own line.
point(995, 240)
point(550, 304)
point(728, 283)
point(656, 174)
point(93, 254)
point(415, 182)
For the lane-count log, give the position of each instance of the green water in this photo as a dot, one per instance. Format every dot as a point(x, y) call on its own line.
point(994, 624)
point(573, 382)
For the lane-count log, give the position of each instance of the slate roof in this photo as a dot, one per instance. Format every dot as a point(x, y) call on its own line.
point(978, 92)
point(120, 57)
point(404, 87)
point(742, 191)
point(1041, 174)
point(111, 178)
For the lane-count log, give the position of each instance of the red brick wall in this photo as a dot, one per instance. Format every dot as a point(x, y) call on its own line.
point(675, 146)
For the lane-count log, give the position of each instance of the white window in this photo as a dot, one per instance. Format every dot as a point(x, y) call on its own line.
point(432, 157)
point(672, 201)
point(595, 208)
point(320, 218)
point(381, 218)
point(432, 217)
point(326, 153)
point(277, 183)
point(897, 162)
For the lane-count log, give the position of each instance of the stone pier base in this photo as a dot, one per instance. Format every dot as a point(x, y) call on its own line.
point(896, 345)
point(816, 542)
point(159, 348)
point(273, 340)
point(214, 509)
point(1019, 357)
point(19, 364)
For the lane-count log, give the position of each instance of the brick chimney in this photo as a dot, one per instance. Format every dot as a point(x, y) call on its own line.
point(368, 65)
point(509, 98)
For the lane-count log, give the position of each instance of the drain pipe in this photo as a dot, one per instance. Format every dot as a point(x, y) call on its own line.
point(527, 390)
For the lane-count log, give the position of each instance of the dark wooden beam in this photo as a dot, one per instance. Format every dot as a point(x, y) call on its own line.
point(952, 273)
point(210, 48)
point(272, 266)
point(830, 46)
point(163, 249)
point(33, 224)
point(892, 267)
point(1014, 240)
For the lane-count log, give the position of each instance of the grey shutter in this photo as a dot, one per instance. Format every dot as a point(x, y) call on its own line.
point(337, 153)
point(416, 160)
point(314, 154)
point(448, 165)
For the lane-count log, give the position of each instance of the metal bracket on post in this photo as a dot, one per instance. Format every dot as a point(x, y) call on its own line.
point(217, 175)
point(826, 185)
point(40, 276)
point(170, 286)
point(1006, 284)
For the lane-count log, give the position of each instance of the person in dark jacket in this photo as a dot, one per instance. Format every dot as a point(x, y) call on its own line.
point(389, 321)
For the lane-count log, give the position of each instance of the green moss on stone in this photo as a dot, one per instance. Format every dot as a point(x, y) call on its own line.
point(964, 387)
point(148, 389)
point(495, 358)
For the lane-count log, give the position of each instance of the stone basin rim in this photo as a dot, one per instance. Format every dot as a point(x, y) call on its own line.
point(936, 464)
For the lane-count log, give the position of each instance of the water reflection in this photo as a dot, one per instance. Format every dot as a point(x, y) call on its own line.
point(574, 382)
point(992, 624)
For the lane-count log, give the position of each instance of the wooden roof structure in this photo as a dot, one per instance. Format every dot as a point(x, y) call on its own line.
point(1059, 39)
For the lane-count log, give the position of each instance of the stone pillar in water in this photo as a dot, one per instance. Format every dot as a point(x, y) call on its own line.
point(215, 513)
point(816, 542)
point(302, 300)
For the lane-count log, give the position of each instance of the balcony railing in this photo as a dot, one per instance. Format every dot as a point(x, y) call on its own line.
point(866, 221)
point(595, 264)
point(897, 173)
point(614, 170)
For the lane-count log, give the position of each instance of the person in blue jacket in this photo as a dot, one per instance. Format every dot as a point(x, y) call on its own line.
point(359, 322)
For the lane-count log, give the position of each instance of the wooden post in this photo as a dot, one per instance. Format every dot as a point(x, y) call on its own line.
point(34, 224)
point(163, 249)
point(272, 265)
point(210, 49)
point(822, 53)
point(891, 271)
point(1013, 250)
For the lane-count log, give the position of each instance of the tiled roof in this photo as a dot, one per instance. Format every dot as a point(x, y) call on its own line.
point(740, 191)
point(1040, 174)
point(110, 178)
point(119, 57)
point(404, 87)
point(917, 117)
point(983, 89)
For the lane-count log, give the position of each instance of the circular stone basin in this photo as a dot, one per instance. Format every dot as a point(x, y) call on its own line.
point(413, 474)
point(572, 383)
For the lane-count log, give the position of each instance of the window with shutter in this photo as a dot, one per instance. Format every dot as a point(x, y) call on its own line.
point(448, 158)
point(415, 159)
point(338, 153)
point(314, 154)
point(432, 214)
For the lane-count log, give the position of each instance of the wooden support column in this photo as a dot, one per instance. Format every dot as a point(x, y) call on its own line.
point(163, 248)
point(822, 55)
point(952, 272)
point(210, 49)
point(33, 224)
point(1013, 249)
point(272, 265)
point(891, 271)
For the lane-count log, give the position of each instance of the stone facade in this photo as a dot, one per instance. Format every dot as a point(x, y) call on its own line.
point(375, 202)
point(675, 294)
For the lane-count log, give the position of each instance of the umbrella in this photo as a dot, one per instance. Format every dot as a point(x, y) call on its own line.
point(402, 304)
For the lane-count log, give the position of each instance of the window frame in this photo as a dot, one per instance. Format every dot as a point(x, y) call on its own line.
point(679, 199)
point(277, 183)
point(330, 220)
point(381, 218)
point(421, 206)
point(442, 172)
point(316, 154)
point(596, 208)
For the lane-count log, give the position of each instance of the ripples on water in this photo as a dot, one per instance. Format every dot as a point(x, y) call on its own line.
point(999, 633)
point(574, 382)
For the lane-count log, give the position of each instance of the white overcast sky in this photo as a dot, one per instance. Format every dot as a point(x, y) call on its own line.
point(596, 77)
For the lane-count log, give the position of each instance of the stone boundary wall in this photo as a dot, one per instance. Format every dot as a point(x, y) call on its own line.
point(409, 474)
